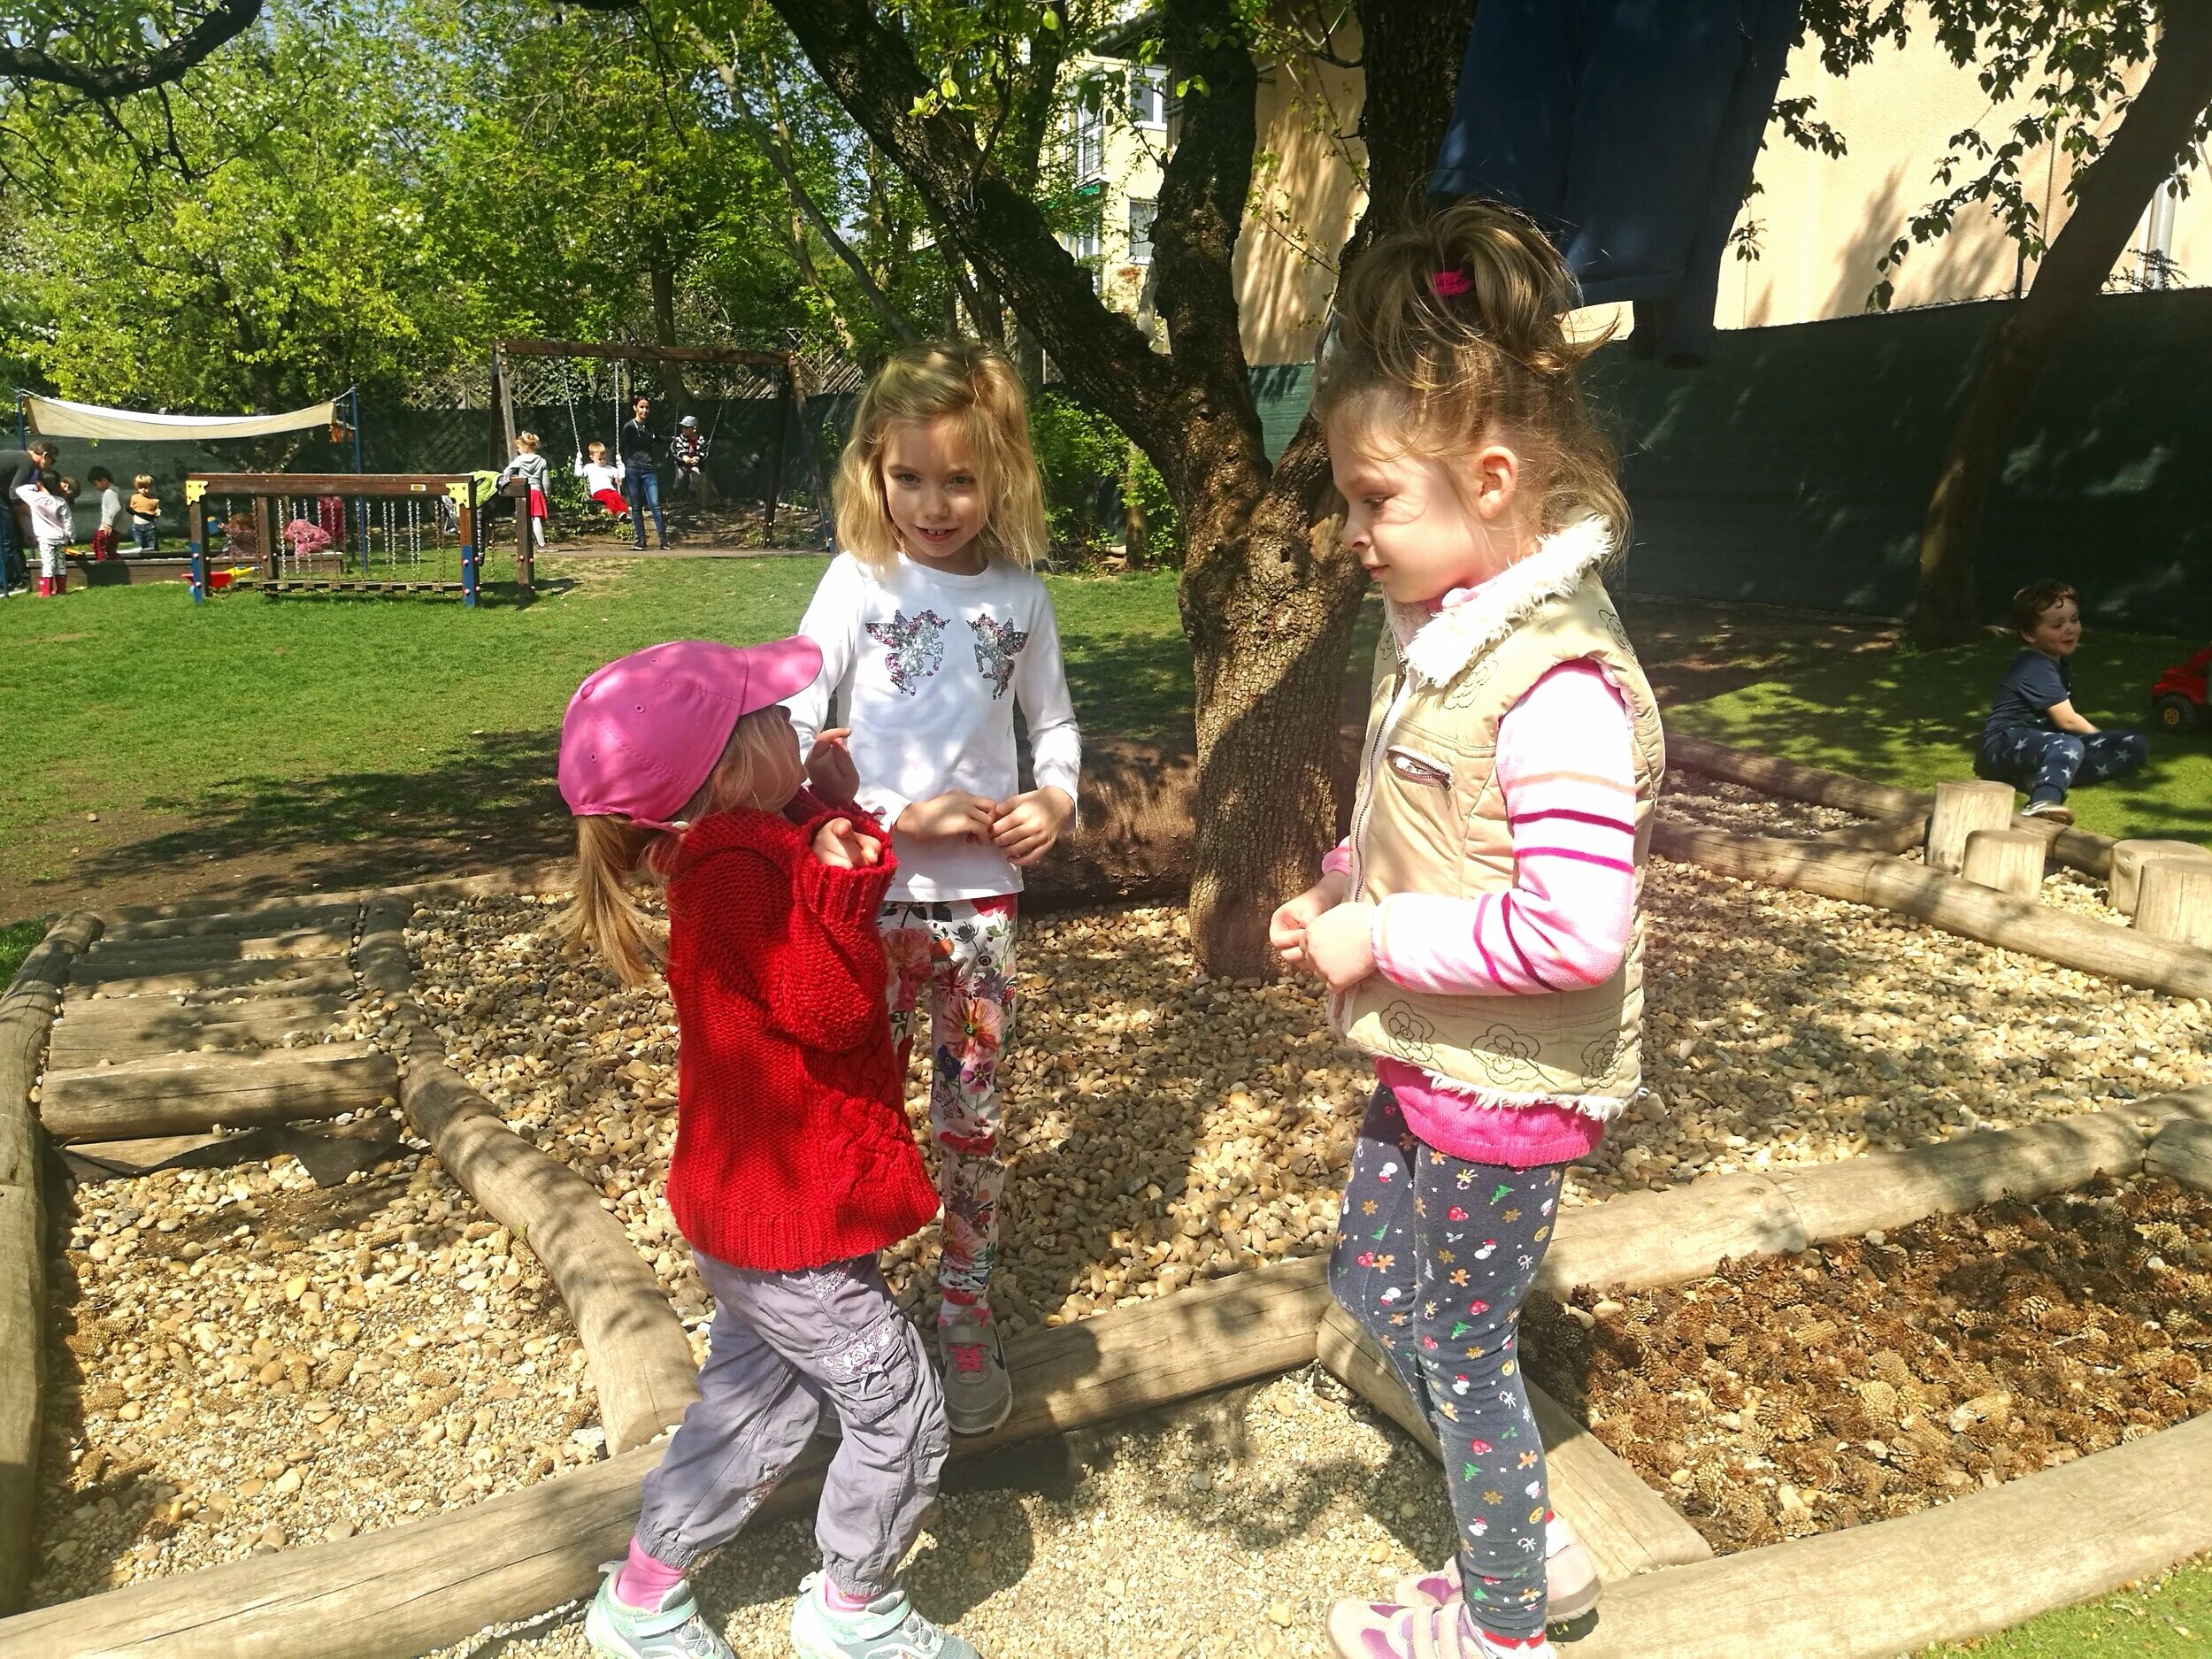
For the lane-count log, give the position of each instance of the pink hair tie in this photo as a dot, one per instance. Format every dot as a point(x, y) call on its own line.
point(1449, 285)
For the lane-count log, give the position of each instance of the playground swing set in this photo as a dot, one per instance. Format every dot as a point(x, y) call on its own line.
point(543, 373)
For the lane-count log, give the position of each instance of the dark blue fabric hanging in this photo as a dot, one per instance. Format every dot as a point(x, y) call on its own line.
point(1628, 129)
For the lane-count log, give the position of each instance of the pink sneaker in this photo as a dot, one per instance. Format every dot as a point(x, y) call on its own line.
point(1381, 1630)
point(1571, 1582)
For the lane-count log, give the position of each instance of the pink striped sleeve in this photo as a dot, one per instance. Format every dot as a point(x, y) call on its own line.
point(1338, 860)
point(1566, 766)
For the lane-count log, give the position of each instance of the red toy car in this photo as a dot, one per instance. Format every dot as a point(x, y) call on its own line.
point(2180, 698)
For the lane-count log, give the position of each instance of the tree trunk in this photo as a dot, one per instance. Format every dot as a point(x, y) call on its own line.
point(673, 390)
point(2108, 202)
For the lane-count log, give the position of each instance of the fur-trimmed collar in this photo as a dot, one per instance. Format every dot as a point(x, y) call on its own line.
point(1438, 646)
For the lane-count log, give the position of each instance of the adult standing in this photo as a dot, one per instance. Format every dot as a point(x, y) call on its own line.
point(20, 467)
point(641, 477)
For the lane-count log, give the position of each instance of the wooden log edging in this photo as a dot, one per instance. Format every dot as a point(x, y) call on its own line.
point(1959, 907)
point(1966, 1568)
point(408, 1590)
point(1628, 1527)
point(2078, 850)
point(27, 1014)
point(1644, 1240)
point(640, 1359)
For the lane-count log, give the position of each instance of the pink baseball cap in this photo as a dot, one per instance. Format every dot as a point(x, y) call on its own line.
point(642, 734)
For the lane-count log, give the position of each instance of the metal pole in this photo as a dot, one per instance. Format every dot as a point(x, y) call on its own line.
point(360, 503)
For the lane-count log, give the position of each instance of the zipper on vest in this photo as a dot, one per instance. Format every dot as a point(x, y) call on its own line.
point(1369, 762)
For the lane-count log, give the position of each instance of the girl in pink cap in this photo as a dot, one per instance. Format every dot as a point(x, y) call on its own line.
point(793, 1164)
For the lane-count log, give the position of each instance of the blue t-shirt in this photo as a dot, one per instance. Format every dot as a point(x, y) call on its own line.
point(2031, 688)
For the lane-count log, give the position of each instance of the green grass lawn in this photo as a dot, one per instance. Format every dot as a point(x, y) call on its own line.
point(253, 723)
point(1911, 717)
point(2171, 1619)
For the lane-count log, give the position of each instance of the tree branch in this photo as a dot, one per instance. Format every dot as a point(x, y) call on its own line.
point(871, 72)
point(773, 147)
point(225, 23)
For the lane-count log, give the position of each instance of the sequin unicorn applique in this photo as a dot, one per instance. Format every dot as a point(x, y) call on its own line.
point(915, 648)
point(996, 645)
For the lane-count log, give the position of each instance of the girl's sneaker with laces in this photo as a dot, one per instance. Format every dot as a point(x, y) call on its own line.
point(674, 1630)
point(888, 1627)
point(978, 1393)
point(1571, 1582)
point(1383, 1630)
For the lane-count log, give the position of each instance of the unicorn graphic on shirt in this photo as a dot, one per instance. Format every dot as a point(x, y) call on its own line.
point(914, 648)
point(996, 645)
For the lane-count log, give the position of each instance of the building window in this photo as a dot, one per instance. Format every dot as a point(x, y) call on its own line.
point(1148, 98)
point(1140, 217)
point(1084, 244)
point(1090, 143)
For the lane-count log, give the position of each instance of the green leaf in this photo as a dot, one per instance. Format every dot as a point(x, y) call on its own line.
point(1051, 20)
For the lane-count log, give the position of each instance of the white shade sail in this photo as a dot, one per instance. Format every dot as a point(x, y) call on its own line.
point(55, 418)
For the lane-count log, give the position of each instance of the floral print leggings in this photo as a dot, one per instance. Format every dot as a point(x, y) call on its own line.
point(1434, 1256)
point(960, 953)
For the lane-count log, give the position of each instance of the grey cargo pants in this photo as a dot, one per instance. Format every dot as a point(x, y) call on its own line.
point(781, 1343)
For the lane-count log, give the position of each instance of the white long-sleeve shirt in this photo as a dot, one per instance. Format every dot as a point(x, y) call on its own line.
point(927, 669)
point(52, 516)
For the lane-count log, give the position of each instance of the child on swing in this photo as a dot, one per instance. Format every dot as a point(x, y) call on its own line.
point(934, 628)
point(530, 467)
point(794, 1163)
point(1478, 929)
point(603, 479)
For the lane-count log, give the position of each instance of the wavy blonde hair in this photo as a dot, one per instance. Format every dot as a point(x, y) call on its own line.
point(974, 386)
point(612, 851)
point(1440, 372)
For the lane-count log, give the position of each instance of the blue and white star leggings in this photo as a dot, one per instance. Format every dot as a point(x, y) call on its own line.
point(1434, 1256)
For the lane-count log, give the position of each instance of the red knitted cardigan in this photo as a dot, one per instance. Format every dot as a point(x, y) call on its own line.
point(792, 1143)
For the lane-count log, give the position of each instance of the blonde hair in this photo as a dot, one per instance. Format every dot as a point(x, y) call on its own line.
point(595, 448)
point(974, 386)
point(610, 849)
point(1483, 357)
point(526, 440)
point(144, 480)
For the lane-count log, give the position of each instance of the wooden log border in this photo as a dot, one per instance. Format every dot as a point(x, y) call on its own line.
point(2079, 849)
point(638, 1356)
point(1957, 906)
point(27, 1014)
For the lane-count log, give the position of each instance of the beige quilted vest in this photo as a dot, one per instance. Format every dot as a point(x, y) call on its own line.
point(1430, 819)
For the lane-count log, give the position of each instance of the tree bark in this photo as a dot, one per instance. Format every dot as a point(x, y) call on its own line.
point(2108, 202)
point(662, 272)
point(1268, 595)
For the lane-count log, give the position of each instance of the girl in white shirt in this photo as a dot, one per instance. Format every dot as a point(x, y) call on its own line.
point(52, 524)
point(933, 629)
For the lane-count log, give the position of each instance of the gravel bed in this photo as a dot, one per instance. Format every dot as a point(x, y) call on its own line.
point(1872, 1377)
point(1221, 1530)
point(1695, 801)
point(241, 1361)
point(1164, 1129)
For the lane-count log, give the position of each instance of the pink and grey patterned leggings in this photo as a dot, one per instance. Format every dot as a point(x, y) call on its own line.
point(960, 953)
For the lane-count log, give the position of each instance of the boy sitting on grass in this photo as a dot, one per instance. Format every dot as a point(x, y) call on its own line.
point(2034, 739)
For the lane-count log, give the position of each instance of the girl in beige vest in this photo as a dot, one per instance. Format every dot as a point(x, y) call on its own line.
point(1477, 929)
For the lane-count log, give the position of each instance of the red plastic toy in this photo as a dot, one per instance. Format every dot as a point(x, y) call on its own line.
point(2180, 698)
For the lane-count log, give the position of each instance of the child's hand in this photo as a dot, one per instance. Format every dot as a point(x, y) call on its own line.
point(1025, 827)
point(1287, 928)
point(1341, 945)
point(955, 814)
point(841, 847)
point(830, 769)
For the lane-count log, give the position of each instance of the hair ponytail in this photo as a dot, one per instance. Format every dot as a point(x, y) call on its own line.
point(606, 917)
point(1460, 323)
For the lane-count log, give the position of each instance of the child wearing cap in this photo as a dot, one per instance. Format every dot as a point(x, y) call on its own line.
point(793, 1165)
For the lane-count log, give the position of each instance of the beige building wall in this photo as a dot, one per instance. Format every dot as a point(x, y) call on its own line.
point(1307, 191)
